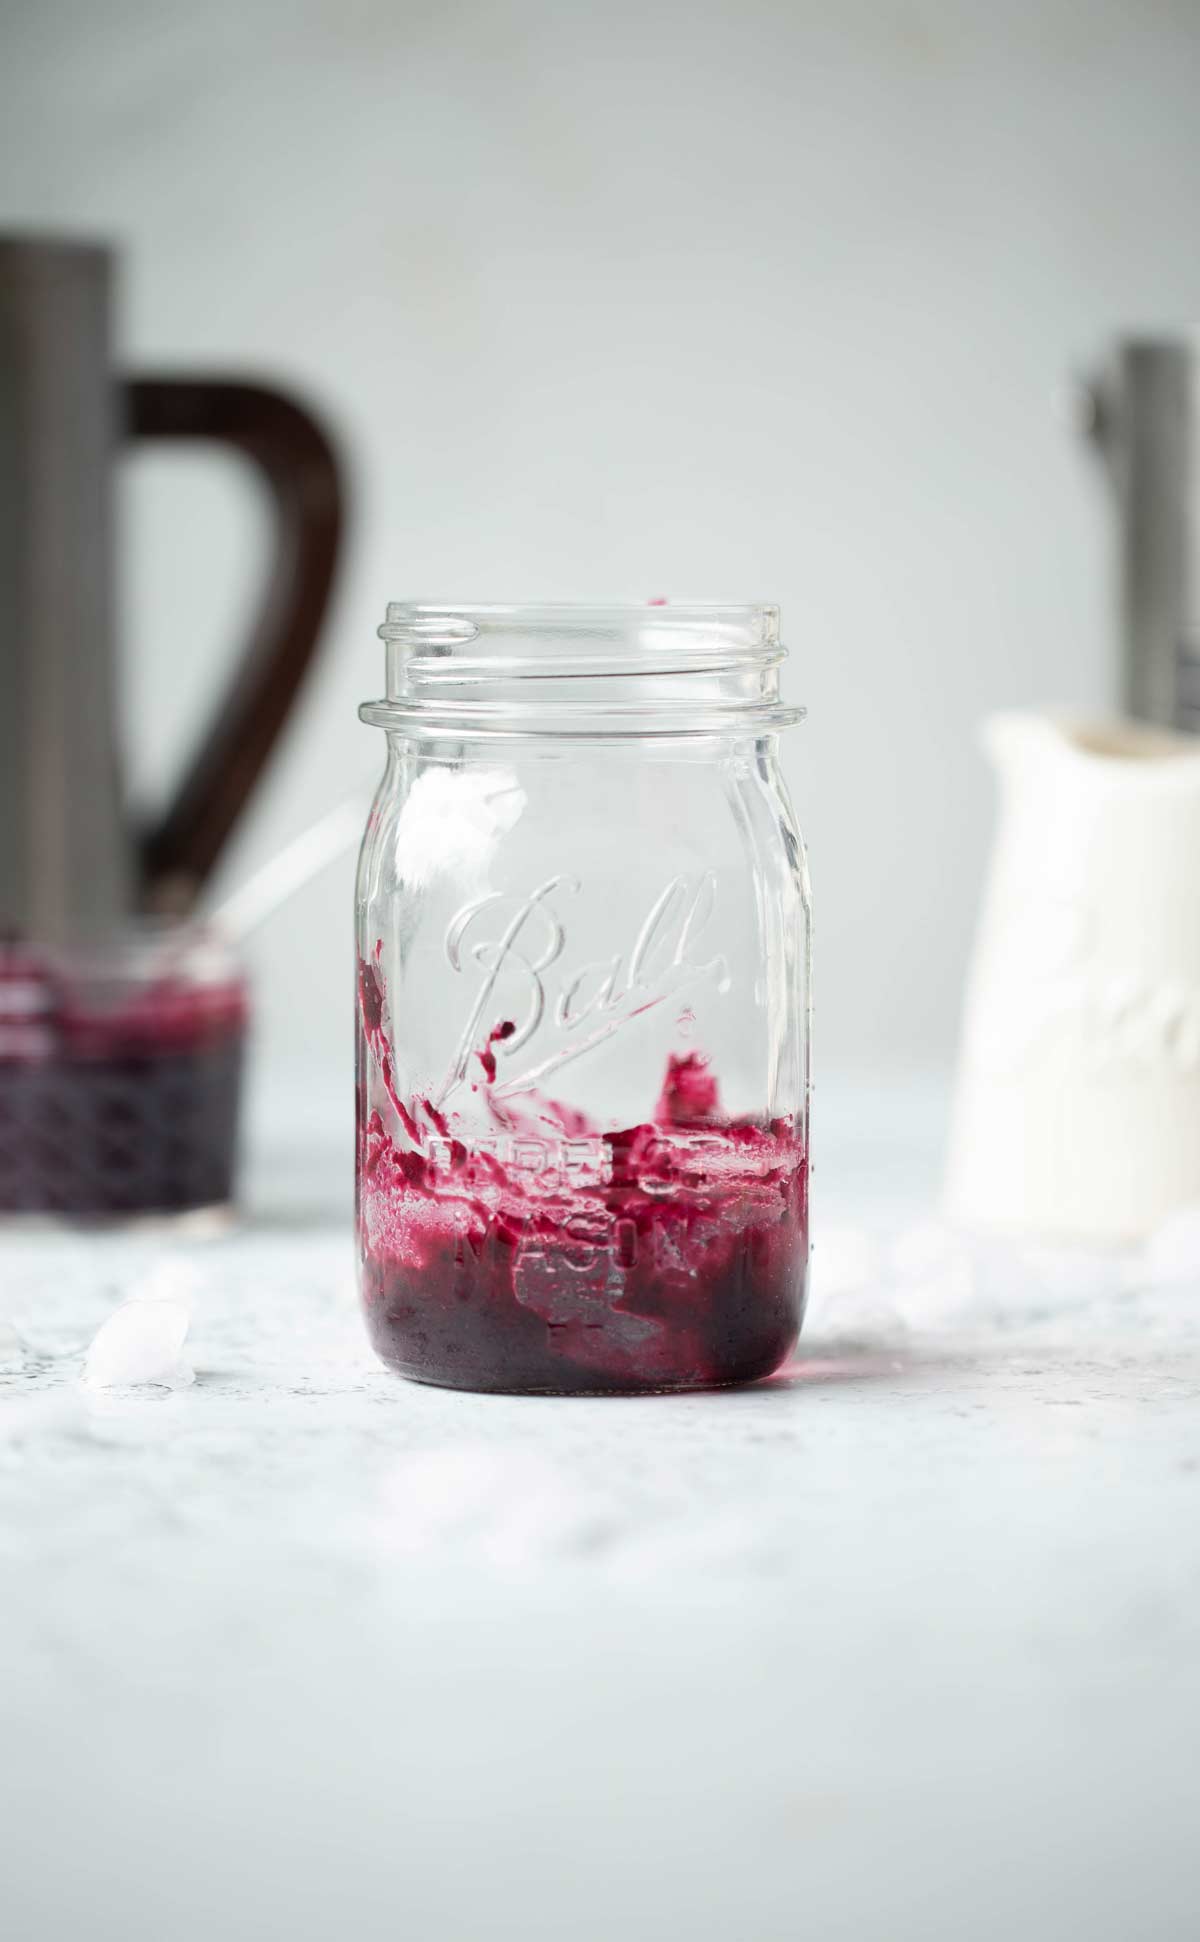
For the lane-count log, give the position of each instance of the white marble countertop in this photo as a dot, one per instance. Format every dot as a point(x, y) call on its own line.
point(904, 1644)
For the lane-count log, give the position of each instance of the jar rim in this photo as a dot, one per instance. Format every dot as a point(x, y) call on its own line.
point(600, 668)
point(426, 621)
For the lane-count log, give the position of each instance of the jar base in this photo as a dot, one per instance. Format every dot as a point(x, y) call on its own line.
point(625, 1386)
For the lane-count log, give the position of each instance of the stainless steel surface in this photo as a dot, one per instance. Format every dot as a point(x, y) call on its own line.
point(64, 857)
point(71, 862)
point(1141, 419)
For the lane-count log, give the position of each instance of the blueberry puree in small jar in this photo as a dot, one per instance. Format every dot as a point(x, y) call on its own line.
point(670, 1254)
point(119, 1083)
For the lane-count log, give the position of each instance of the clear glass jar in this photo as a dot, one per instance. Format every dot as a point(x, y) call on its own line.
point(583, 1001)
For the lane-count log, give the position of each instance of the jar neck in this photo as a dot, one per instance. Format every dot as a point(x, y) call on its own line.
point(581, 670)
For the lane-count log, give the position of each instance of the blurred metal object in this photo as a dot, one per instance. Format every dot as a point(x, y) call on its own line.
point(71, 867)
point(1140, 415)
point(64, 862)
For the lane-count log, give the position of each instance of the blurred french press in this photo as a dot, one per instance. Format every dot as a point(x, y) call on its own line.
point(120, 1020)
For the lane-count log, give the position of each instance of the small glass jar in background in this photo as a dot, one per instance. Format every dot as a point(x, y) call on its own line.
point(120, 1074)
point(583, 1002)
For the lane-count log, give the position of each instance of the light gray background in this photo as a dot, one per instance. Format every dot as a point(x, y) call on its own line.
point(753, 300)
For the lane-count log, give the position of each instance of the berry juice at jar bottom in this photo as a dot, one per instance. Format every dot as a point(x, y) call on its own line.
point(669, 1255)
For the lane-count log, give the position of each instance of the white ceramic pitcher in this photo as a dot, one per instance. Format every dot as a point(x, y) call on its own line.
point(1078, 1103)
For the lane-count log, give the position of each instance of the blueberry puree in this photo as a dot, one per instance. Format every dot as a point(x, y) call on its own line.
point(123, 1107)
point(551, 1257)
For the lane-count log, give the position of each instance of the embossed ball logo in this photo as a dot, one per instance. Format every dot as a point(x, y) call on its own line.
point(520, 946)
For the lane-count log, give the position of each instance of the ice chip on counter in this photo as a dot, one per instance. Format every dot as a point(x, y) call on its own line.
point(935, 1274)
point(932, 1272)
point(845, 1270)
point(943, 1272)
point(1172, 1253)
point(142, 1342)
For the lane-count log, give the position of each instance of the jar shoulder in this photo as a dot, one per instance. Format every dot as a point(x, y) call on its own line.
point(437, 826)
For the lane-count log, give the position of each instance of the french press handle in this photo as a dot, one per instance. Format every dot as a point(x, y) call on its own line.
point(297, 460)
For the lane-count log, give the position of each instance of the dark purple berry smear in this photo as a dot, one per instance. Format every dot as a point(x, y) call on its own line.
point(116, 1110)
point(552, 1258)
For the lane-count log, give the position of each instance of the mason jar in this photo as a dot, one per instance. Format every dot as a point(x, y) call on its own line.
point(583, 1002)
